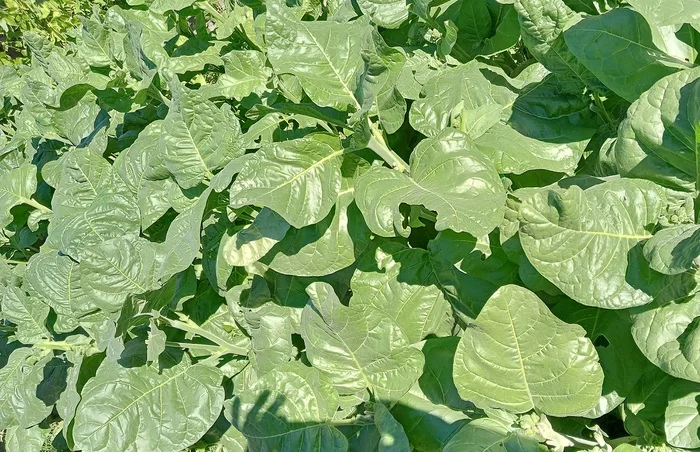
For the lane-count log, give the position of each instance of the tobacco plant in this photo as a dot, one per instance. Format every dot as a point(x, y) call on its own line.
point(462, 225)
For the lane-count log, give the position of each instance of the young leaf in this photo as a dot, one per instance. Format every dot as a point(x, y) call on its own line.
point(198, 137)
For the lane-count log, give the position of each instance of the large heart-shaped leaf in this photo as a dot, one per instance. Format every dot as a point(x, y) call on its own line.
point(518, 356)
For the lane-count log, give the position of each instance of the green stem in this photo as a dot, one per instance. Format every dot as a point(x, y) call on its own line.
point(350, 422)
point(193, 346)
point(426, 214)
point(188, 326)
point(12, 261)
point(36, 205)
point(53, 345)
point(601, 107)
point(379, 146)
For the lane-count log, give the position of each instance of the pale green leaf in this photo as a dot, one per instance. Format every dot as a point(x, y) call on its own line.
point(134, 409)
point(518, 356)
point(447, 175)
point(288, 409)
point(682, 425)
point(198, 137)
point(323, 56)
point(580, 239)
point(357, 349)
point(658, 140)
point(624, 33)
point(669, 335)
point(674, 250)
point(399, 283)
point(298, 179)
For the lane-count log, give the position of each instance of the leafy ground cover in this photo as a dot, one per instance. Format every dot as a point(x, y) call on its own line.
point(459, 225)
point(56, 19)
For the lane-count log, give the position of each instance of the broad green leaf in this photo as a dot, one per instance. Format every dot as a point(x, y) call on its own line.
point(116, 268)
point(28, 313)
point(658, 140)
point(383, 66)
point(110, 215)
point(255, 240)
point(649, 397)
point(289, 408)
point(357, 349)
point(669, 12)
point(194, 55)
point(80, 370)
point(155, 344)
point(245, 74)
point(74, 79)
point(488, 435)
point(198, 137)
point(668, 334)
point(484, 28)
point(79, 176)
point(674, 250)
point(682, 425)
point(399, 283)
point(518, 356)
point(323, 56)
point(625, 34)
point(446, 175)
point(31, 439)
point(391, 434)
point(55, 280)
point(387, 14)
point(463, 90)
point(141, 167)
point(17, 187)
point(580, 239)
point(162, 6)
point(19, 380)
point(182, 241)
point(465, 252)
point(95, 43)
point(332, 244)
point(544, 126)
point(621, 360)
point(542, 24)
point(133, 409)
point(270, 329)
point(419, 68)
point(299, 179)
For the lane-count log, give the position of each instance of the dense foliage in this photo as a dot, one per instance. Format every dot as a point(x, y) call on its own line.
point(55, 19)
point(456, 225)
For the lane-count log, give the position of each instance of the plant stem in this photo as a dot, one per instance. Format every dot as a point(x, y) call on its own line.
point(53, 345)
point(36, 205)
point(601, 107)
point(188, 326)
point(379, 146)
point(12, 261)
point(191, 345)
